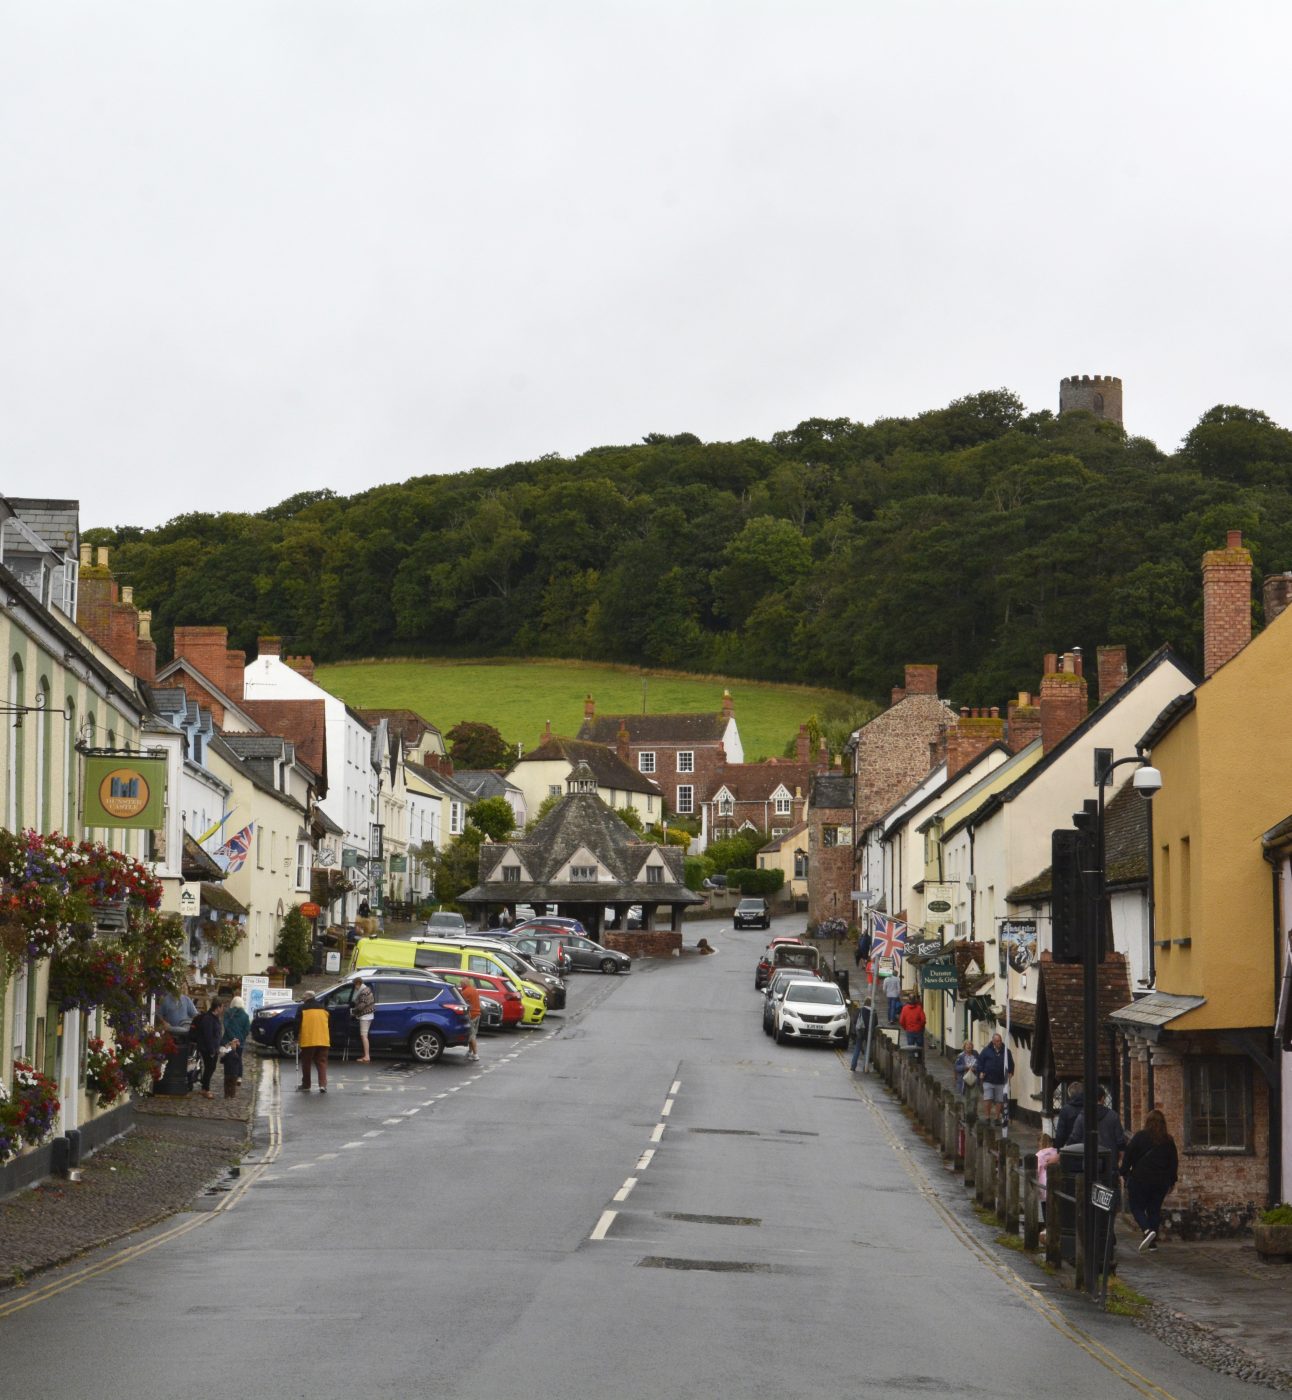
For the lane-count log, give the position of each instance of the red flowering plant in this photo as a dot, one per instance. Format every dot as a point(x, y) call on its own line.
point(28, 1109)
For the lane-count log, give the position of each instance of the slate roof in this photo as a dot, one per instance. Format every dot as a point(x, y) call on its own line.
point(580, 821)
point(1058, 1049)
point(1149, 1014)
point(484, 782)
point(831, 790)
point(607, 767)
point(56, 522)
point(697, 728)
point(441, 782)
point(249, 771)
point(408, 724)
point(755, 782)
point(218, 898)
point(196, 864)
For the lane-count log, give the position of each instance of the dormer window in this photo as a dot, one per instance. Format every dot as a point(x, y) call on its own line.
point(782, 802)
point(654, 874)
point(726, 804)
point(583, 874)
point(511, 874)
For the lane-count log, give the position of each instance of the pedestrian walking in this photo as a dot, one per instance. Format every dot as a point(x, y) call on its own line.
point(966, 1068)
point(1068, 1115)
point(204, 1034)
point(912, 1021)
point(363, 1007)
point(313, 1038)
point(863, 947)
point(1150, 1168)
point(893, 991)
point(472, 998)
point(236, 1026)
point(1047, 1156)
point(864, 1017)
point(995, 1069)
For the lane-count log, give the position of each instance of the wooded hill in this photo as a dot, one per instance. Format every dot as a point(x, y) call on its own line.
point(976, 536)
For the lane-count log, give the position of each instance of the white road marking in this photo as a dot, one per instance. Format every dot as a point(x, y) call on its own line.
point(376, 1132)
point(301, 1166)
point(408, 1112)
point(658, 1132)
point(645, 1159)
point(325, 1156)
point(455, 1088)
point(426, 1103)
point(602, 1225)
point(443, 1095)
point(677, 1087)
point(625, 1190)
point(667, 1109)
point(390, 1122)
point(346, 1145)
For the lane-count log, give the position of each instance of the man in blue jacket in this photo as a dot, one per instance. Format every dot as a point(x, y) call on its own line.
point(995, 1070)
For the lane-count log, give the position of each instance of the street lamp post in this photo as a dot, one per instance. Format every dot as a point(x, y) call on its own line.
point(1147, 782)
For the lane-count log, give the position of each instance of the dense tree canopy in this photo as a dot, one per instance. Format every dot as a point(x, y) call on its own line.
point(977, 536)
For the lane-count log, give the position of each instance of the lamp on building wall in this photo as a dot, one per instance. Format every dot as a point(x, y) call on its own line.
point(1147, 781)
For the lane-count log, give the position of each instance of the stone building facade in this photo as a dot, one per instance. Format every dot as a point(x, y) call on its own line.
point(830, 846)
point(1100, 394)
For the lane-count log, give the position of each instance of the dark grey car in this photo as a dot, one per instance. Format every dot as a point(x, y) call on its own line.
point(587, 956)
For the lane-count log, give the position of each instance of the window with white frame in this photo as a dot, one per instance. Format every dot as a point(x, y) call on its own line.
point(654, 874)
point(646, 762)
point(685, 799)
point(554, 789)
point(686, 761)
point(511, 874)
point(726, 804)
point(583, 874)
point(302, 866)
point(778, 832)
point(782, 803)
point(455, 818)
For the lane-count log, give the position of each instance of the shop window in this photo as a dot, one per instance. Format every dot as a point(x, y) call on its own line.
point(1218, 1104)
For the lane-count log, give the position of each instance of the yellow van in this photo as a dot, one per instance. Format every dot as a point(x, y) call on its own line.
point(396, 952)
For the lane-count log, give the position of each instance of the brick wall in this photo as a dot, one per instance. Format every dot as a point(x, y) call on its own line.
point(830, 868)
point(1226, 602)
point(892, 753)
point(709, 760)
point(1024, 722)
point(1113, 671)
point(1064, 702)
point(638, 943)
point(973, 732)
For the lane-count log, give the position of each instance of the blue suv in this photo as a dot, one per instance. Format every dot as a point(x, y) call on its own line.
point(415, 1015)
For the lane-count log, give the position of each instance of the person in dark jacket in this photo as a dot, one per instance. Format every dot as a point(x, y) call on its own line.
point(236, 1027)
point(1151, 1168)
point(1112, 1136)
point(995, 1070)
point(1068, 1115)
point(204, 1034)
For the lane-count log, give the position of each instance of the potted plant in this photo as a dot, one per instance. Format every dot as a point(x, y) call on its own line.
point(1273, 1232)
point(294, 950)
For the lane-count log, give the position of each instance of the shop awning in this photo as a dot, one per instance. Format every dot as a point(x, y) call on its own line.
point(1151, 1014)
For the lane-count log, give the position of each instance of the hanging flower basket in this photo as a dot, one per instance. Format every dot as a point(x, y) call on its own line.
point(135, 1062)
point(28, 1109)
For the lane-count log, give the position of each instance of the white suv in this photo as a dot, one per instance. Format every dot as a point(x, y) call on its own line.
point(812, 1010)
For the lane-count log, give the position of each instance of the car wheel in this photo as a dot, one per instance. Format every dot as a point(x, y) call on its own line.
point(426, 1045)
point(285, 1042)
point(609, 965)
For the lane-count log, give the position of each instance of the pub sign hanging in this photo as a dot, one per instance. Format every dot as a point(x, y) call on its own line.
point(124, 790)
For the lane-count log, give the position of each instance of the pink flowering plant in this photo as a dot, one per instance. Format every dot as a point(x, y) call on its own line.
point(28, 1109)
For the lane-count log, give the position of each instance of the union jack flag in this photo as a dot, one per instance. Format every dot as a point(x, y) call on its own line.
point(889, 938)
point(237, 848)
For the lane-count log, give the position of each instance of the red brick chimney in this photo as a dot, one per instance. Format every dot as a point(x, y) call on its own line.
point(899, 694)
point(728, 705)
point(302, 665)
point(234, 662)
point(107, 615)
point(1277, 593)
point(589, 707)
point(269, 646)
point(1113, 671)
point(921, 680)
point(146, 649)
point(621, 742)
point(973, 732)
point(206, 649)
point(1024, 722)
point(1226, 603)
point(547, 731)
point(1063, 699)
point(803, 745)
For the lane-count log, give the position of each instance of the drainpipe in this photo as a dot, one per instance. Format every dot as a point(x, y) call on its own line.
point(1152, 921)
point(1275, 1090)
point(973, 893)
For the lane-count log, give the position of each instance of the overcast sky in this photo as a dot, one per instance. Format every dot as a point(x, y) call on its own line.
point(248, 249)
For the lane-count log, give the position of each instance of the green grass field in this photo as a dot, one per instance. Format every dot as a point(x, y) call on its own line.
point(518, 697)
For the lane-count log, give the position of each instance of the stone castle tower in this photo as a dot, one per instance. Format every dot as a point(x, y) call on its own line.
point(1100, 394)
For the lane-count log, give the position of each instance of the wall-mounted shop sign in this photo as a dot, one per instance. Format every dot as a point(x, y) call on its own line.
point(123, 791)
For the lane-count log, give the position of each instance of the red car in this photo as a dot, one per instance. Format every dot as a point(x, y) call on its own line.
point(495, 989)
point(765, 963)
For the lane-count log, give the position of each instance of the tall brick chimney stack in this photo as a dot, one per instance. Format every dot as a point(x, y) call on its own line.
point(1024, 723)
point(898, 695)
point(1063, 699)
point(107, 614)
point(1113, 671)
point(973, 732)
point(269, 646)
point(206, 649)
point(621, 742)
point(589, 707)
point(146, 649)
point(1277, 592)
point(803, 745)
point(235, 663)
point(1226, 603)
point(728, 705)
point(302, 665)
point(921, 680)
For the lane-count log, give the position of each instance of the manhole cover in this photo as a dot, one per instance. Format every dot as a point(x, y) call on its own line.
point(710, 1219)
point(712, 1266)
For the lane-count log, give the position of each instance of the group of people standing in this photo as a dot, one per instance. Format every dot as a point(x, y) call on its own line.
point(216, 1034)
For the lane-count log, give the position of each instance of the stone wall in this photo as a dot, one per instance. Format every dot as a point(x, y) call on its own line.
point(639, 943)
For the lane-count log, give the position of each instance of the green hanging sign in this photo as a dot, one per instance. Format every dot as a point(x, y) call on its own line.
point(122, 791)
point(940, 975)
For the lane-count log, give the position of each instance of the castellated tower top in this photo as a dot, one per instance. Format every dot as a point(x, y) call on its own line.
point(1100, 394)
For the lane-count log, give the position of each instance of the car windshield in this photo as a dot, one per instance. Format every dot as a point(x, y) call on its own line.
point(825, 992)
point(753, 906)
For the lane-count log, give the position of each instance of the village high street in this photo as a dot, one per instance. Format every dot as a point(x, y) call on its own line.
point(645, 1197)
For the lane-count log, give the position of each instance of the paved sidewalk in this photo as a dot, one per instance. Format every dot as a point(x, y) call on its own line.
point(1216, 1301)
point(177, 1147)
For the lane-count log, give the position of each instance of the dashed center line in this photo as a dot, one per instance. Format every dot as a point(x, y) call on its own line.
point(346, 1145)
point(645, 1159)
point(657, 1133)
point(604, 1224)
point(376, 1132)
point(326, 1156)
point(667, 1109)
point(626, 1189)
point(677, 1087)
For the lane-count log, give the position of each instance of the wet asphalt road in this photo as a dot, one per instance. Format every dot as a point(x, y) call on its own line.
point(646, 1197)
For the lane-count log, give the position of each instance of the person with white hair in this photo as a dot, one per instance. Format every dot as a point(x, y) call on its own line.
point(237, 1026)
